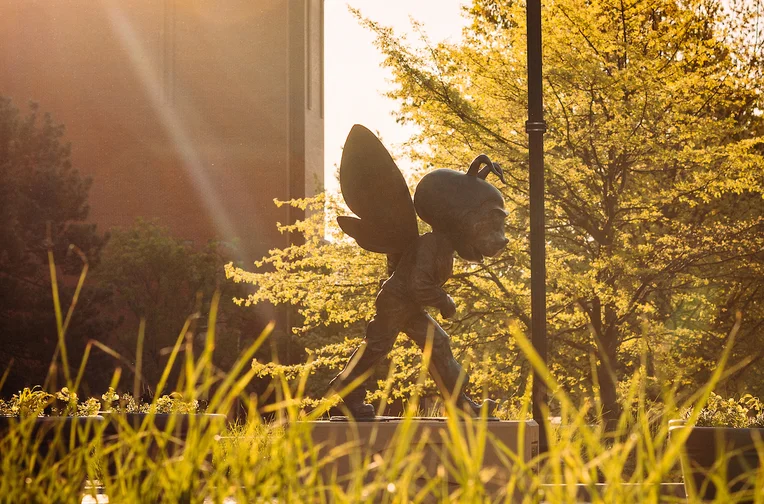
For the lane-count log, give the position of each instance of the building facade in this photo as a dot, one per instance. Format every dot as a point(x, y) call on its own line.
point(197, 113)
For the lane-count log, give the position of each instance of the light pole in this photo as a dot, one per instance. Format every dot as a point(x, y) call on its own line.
point(535, 127)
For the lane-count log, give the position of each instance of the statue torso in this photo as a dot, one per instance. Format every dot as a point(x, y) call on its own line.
point(425, 266)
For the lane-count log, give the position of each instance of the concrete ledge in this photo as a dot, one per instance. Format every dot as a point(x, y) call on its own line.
point(351, 444)
point(667, 492)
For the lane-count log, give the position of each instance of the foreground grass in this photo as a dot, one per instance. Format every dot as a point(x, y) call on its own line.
point(279, 461)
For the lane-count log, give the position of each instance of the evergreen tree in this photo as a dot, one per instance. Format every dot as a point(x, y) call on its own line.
point(43, 204)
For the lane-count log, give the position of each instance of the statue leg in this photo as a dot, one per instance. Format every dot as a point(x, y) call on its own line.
point(381, 333)
point(444, 369)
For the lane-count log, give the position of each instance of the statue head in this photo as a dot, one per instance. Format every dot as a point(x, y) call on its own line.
point(466, 208)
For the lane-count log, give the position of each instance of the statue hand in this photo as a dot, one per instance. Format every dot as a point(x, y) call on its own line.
point(449, 310)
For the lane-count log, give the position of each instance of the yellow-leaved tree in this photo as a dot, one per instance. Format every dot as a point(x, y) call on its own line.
point(654, 168)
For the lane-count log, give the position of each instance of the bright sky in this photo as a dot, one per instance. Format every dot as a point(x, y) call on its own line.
point(355, 81)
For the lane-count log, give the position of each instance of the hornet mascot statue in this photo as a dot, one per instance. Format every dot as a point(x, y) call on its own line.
point(467, 217)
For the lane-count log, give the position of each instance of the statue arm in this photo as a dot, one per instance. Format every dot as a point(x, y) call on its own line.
point(428, 294)
point(428, 275)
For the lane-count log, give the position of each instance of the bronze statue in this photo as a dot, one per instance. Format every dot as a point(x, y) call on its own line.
point(467, 216)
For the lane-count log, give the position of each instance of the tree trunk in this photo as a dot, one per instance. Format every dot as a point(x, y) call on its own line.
point(607, 353)
point(611, 409)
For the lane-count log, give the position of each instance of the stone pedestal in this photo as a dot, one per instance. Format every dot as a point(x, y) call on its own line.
point(426, 447)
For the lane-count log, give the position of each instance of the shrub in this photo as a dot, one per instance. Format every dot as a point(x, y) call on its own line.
point(739, 413)
point(26, 403)
point(36, 402)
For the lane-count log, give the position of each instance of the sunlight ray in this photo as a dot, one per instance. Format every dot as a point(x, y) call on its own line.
point(191, 160)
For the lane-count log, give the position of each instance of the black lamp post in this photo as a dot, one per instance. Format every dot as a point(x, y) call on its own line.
point(535, 127)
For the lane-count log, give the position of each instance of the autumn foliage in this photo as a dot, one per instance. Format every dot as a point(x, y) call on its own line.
point(654, 196)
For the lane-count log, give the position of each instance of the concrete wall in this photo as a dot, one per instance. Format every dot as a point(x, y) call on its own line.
point(195, 112)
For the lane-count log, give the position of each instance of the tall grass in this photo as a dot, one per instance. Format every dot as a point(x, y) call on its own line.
point(278, 460)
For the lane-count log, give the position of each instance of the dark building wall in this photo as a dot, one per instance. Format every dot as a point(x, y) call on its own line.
point(195, 112)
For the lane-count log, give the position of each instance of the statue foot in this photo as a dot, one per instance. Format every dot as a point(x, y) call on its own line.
point(356, 406)
point(362, 411)
point(359, 411)
point(474, 408)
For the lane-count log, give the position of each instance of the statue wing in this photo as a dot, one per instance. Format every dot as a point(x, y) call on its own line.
point(375, 190)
